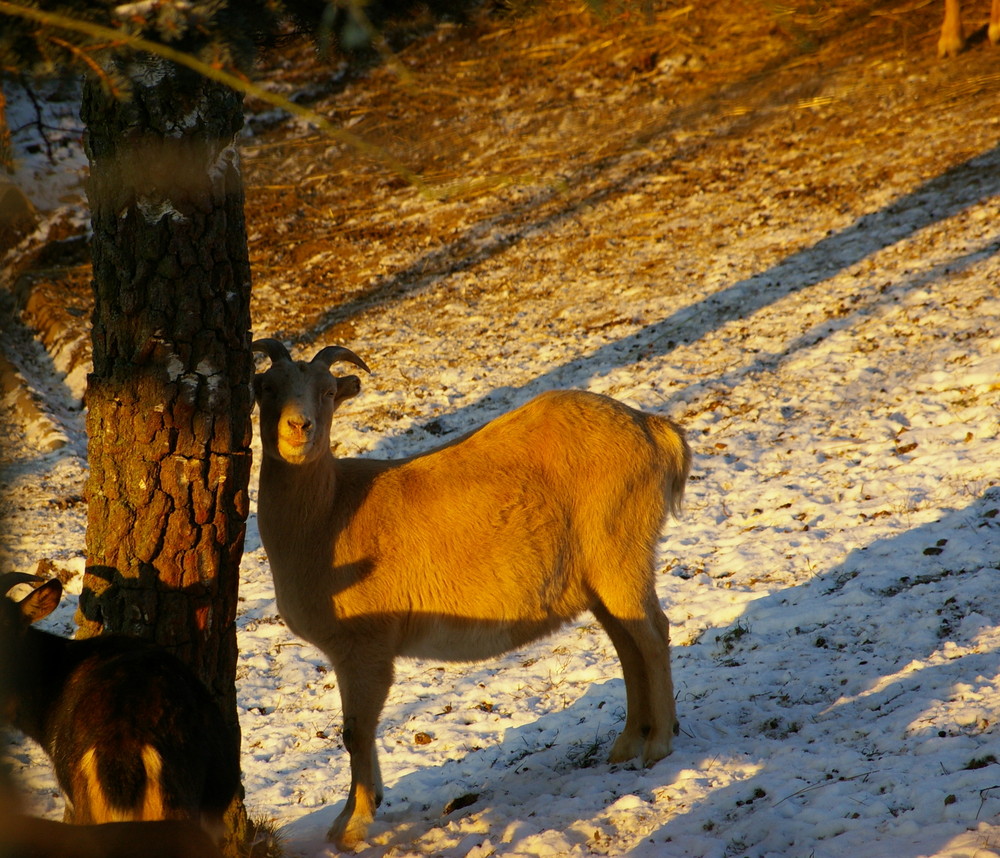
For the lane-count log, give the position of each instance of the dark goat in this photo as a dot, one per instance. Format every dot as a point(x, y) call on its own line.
point(132, 732)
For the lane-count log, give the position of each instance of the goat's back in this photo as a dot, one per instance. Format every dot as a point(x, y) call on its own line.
point(576, 448)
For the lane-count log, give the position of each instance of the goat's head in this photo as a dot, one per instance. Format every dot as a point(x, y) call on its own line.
point(15, 617)
point(39, 603)
point(297, 400)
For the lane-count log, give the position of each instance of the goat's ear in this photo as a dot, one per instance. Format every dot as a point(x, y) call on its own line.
point(261, 385)
point(347, 387)
point(41, 601)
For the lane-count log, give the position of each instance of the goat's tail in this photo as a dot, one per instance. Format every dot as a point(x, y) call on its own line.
point(105, 792)
point(676, 453)
point(153, 805)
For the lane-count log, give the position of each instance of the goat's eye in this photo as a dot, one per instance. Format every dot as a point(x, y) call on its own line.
point(330, 392)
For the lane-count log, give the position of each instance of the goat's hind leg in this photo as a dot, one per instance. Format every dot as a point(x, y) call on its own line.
point(643, 644)
point(638, 718)
point(660, 742)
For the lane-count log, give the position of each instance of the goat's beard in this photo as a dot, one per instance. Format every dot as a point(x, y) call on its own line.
point(296, 452)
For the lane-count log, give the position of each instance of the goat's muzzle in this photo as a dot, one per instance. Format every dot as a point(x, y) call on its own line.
point(295, 439)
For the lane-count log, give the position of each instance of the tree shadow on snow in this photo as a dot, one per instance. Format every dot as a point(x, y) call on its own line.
point(838, 717)
point(857, 696)
point(729, 111)
point(938, 199)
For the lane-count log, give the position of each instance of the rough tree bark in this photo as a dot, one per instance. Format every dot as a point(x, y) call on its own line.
point(169, 399)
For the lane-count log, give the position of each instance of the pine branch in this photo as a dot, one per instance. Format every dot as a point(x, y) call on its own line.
point(215, 72)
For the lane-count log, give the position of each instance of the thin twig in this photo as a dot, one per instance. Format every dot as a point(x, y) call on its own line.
point(812, 787)
point(38, 121)
point(234, 81)
point(88, 61)
point(983, 797)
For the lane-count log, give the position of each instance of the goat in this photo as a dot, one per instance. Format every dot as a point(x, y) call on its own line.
point(952, 40)
point(131, 731)
point(471, 550)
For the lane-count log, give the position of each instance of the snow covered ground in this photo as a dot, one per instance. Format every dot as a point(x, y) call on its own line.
point(832, 589)
point(833, 584)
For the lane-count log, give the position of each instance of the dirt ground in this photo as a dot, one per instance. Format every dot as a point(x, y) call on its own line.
point(561, 135)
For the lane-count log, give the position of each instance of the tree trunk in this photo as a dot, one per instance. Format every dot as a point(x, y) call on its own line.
point(170, 397)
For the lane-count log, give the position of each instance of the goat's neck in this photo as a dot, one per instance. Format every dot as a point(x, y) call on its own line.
point(42, 674)
point(299, 493)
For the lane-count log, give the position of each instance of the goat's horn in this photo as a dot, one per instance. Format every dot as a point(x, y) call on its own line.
point(334, 353)
point(9, 580)
point(274, 349)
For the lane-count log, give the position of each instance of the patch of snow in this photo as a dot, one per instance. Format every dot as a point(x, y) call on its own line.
point(47, 141)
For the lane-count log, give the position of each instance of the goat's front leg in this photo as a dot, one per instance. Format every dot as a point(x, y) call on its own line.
point(364, 686)
point(952, 41)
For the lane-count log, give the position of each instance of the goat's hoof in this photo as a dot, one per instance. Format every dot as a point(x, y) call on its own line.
point(347, 832)
point(950, 46)
point(625, 748)
point(656, 750)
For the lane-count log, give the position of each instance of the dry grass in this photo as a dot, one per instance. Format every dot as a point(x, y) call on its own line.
point(524, 119)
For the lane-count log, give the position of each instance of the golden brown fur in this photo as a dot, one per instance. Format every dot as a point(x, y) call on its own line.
point(468, 551)
point(92, 804)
